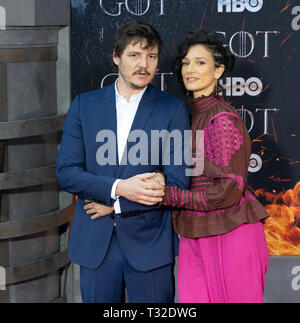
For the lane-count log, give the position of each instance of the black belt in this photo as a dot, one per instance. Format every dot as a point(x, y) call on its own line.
point(130, 214)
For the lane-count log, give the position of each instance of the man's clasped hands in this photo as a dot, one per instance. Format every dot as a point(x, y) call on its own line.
point(147, 189)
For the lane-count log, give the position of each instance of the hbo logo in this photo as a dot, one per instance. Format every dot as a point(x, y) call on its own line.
point(239, 5)
point(237, 86)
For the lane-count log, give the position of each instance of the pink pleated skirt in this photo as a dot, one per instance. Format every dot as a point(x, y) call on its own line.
point(228, 268)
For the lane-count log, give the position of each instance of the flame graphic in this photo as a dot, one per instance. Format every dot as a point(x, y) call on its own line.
point(281, 228)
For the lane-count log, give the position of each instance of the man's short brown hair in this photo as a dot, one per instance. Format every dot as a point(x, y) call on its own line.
point(136, 31)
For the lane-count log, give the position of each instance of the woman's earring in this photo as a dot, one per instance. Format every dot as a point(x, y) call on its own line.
point(216, 88)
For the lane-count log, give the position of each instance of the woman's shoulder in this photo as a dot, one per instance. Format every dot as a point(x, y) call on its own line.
point(224, 109)
point(225, 106)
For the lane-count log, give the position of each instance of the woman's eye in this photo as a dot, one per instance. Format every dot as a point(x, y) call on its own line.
point(185, 63)
point(200, 63)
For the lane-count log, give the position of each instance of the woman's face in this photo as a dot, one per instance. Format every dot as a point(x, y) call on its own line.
point(198, 71)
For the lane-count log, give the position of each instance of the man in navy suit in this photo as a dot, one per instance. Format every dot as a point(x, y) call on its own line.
point(134, 244)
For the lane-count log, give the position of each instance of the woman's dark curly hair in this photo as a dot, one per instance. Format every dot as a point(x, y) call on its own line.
point(211, 43)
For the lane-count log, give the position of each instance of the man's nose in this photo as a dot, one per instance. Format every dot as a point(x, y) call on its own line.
point(143, 62)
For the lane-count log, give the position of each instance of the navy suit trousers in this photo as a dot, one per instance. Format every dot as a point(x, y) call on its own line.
point(106, 283)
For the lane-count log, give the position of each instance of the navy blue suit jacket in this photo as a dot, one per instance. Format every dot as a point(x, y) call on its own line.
point(146, 233)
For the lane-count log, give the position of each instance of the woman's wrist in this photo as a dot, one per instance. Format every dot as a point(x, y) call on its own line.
point(166, 200)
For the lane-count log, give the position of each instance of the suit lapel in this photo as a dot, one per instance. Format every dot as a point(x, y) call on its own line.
point(142, 116)
point(110, 117)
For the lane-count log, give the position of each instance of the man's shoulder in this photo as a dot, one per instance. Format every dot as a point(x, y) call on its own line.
point(89, 100)
point(166, 97)
point(94, 94)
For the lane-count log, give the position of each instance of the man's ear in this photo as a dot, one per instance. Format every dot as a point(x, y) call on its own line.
point(116, 59)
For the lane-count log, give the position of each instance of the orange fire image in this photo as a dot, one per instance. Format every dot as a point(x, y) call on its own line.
point(282, 227)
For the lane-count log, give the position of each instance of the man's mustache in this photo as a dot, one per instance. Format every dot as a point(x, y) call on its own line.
point(141, 70)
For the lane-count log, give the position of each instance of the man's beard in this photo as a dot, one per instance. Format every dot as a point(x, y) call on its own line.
point(136, 87)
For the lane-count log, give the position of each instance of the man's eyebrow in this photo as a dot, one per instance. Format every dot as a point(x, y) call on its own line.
point(186, 58)
point(137, 52)
point(133, 52)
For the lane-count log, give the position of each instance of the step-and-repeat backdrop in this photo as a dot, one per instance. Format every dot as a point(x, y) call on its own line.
point(264, 36)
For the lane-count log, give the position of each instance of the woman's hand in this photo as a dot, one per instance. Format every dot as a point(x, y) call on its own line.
point(158, 178)
point(98, 210)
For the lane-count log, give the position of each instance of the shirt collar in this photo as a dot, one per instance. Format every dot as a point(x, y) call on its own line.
point(137, 96)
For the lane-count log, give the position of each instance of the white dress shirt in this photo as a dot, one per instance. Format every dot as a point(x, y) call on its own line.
point(125, 115)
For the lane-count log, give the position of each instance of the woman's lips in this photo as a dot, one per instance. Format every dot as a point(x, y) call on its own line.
point(192, 79)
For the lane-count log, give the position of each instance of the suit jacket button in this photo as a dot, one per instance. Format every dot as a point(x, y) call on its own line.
point(112, 216)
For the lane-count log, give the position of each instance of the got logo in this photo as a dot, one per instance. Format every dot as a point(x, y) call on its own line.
point(134, 7)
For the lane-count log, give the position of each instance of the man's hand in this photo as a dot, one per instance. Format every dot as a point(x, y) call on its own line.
point(141, 189)
point(98, 210)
